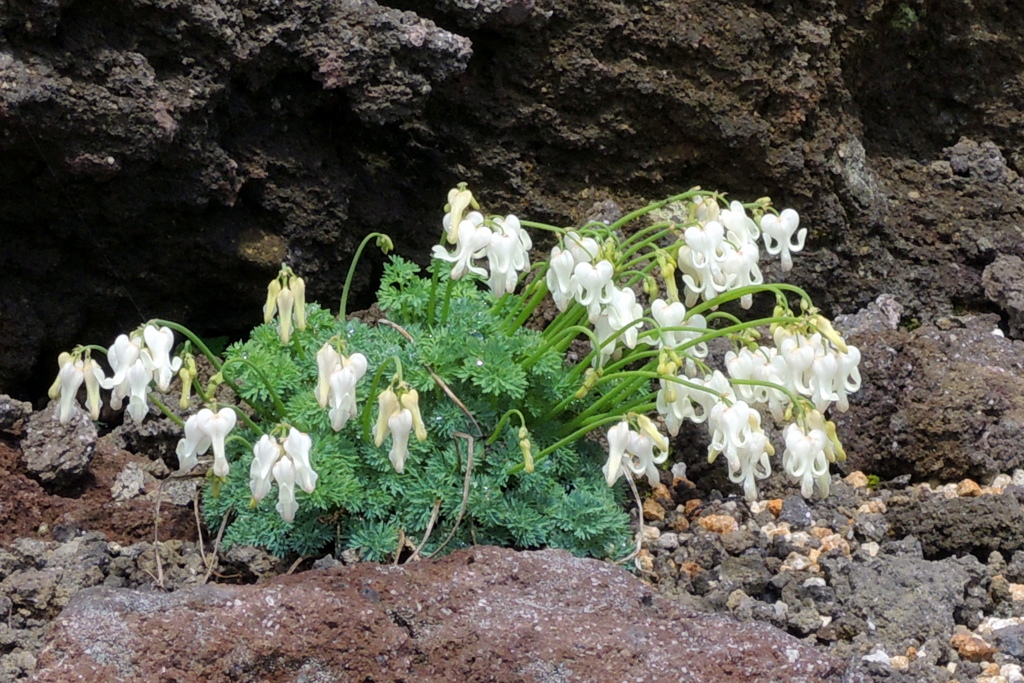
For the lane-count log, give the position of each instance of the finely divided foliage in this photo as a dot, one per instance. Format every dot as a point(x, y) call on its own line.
point(465, 415)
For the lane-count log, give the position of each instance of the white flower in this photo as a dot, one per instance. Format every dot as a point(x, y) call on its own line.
point(459, 199)
point(297, 447)
point(778, 235)
point(741, 228)
point(400, 424)
point(157, 355)
point(618, 323)
point(805, 459)
point(399, 414)
point(121, 355)
point(559, 277)
point(473, 239)
point(635, 451)
point(284, 475)
point(287, 466)
point(202, 430)
point(69, 379)
point(337, 377)
point(740, 269)
point(265, 453)
point(138, 378)
point(508, 254)
point(595, 285)
point(286, 297)
point(327, 359)
point(737, 434)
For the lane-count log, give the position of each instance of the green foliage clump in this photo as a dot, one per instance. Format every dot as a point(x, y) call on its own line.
point(360, 501)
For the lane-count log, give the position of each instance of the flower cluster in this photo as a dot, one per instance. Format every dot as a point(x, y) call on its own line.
point(634, 450)
point(398, 415)
point(204, 429)
point(286, 297)
point(502, 241)
point(137, 362)
point(336, 383)
point(287, 464)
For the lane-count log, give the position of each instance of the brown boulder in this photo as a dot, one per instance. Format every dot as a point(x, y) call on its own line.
point(479, 614)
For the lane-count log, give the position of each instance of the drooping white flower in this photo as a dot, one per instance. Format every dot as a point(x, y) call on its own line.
point(69, 378)
point(559, 277)
point(284, 475)
point(202, 430)
point(157, 355)
point(138, 378)
point(337, 377)
point(265, 454)
point(121, 355)
point(399, 414)
point(400, 425)
point(297, 447)
point(286, 464)
point(737, 434)
point(635, 451)
point(778, 232)
point(473, 239)
point(595, 285)
point(805, 460)
point(740, 228)
point(508, 254)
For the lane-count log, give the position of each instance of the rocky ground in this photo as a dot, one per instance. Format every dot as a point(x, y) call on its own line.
point(886, 578)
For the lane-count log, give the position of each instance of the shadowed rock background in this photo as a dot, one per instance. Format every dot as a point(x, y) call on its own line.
point(163, 157)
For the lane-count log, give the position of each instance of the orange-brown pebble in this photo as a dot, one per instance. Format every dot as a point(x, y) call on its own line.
point(691, 568)
point(661, 494)
point(775, 506)
point(971, 648)
point(645, 561)
point(821, 531)
point(858, 479)
point(872, 507)
point(691, 506)
point(911, 653)
point(990, 669)
point(653, 511)
point(1017, 591)
point(968, 488)
point(833, 541)
point(719, 524)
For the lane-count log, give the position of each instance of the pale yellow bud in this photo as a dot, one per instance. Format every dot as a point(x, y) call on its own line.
point(411, 400)
point(285, 306)
point(298, 289)
point(648, 427)
point(273, 290)
point(387, 405)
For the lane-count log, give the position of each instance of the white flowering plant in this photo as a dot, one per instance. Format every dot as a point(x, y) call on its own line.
point(466, 412)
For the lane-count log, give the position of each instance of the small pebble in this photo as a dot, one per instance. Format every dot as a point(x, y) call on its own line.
point(968, 488)
point(857, 479)
point(972, 648)
point(719, 524)
point(668, 541)
point(653, 511)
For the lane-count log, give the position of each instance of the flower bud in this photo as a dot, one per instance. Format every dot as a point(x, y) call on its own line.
point(273, 291)
point(298, 289)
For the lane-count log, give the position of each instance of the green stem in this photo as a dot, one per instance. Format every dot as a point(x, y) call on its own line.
point(567, 334)
point(365, 417)
point(579, 433)
point(203, 348)
point(352, 271)
point(278, 403)
point(447, 301)
point(501, 423)
point(165, 410)
point(657, 205)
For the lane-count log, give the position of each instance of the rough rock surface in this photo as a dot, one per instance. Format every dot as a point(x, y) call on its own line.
point(479, 614)
point(168, 167)
point(58, 454)
point(943, 401)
